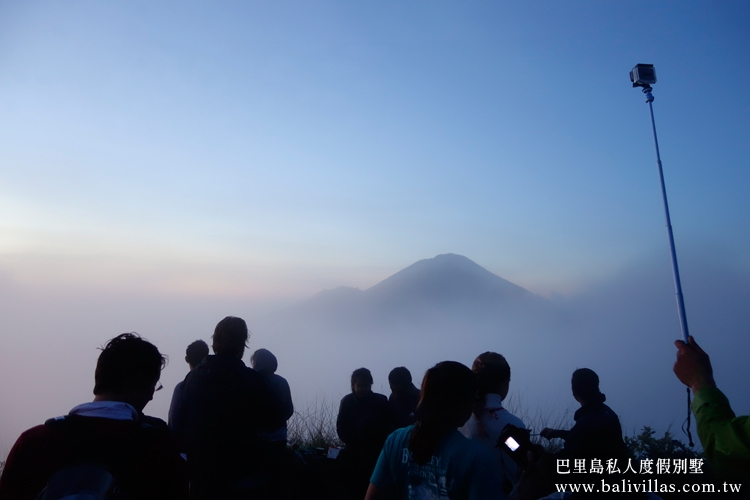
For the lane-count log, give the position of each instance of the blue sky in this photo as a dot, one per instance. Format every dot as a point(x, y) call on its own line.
point(312, 144)
point(263, 151)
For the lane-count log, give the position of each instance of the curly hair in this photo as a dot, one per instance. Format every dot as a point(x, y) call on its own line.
point(128, 362)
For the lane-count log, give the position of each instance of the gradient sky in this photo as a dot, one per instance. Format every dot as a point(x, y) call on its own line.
point(263, 151)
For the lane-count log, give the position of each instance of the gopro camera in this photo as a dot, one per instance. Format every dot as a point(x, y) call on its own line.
point(643, 75)
point(516, 442)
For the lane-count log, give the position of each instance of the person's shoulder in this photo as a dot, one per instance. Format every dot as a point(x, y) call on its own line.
point(509, 418)
point(156, 424)
point(347, 400)
point(255, 376)
point(399, 436)
point(36, 434)
point(380, 398)
point(609, 414)
point(469, 429)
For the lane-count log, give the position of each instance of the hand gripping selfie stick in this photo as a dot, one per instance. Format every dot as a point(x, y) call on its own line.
point(643, 75)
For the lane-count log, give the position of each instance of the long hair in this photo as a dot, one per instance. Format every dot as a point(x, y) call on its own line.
point(447, 396)
point(492, 369)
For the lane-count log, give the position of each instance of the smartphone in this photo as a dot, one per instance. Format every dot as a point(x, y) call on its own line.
point(516, 442)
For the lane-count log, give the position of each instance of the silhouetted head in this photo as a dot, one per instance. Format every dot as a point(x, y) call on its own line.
point(263, 360)
point(128, 370)
point(195, 353)
point(493, 374)
point(448, 393)
point(230, 337)
point(585, 384)
point(400, 379)
point(361, 381)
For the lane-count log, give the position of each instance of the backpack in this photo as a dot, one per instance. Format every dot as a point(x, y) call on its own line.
point(97, 470)
point(80, 482)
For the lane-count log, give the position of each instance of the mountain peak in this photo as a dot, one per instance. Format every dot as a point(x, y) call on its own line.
point(447, 277)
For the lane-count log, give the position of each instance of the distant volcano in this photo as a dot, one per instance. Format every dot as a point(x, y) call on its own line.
point(446, 286)
point(444, 281)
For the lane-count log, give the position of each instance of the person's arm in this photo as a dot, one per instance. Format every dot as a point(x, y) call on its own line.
point(725, 437)
point(382, 480)
point(554, 433)
point(375, 493)
point(287, 407)
point(173, 418)
point(693, 366)
point(26, 468)
point(343, 422)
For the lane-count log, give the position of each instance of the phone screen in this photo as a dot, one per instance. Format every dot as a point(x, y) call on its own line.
point(512, 444)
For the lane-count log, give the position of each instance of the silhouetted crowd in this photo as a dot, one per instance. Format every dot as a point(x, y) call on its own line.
point(226, 436)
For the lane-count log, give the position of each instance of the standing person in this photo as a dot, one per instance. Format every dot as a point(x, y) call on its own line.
point(597, 432)
point(195, 353)
point(725, 437)
point(264, 362)
point(225, 406)
point(107, 442)
point(404, 397)
point(489, 417)
point(431, 459)
point(363, 422)
point(275, 435)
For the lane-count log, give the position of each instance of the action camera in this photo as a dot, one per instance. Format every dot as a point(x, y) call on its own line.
point(643, 75)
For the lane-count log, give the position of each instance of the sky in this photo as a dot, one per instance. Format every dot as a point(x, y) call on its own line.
point(163, 164)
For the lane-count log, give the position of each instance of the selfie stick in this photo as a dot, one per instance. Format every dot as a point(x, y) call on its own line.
point(642, 76)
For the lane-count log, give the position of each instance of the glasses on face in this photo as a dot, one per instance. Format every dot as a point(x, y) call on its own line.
point(158, 387)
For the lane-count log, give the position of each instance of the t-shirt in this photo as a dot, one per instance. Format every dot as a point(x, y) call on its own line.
point(460, 469)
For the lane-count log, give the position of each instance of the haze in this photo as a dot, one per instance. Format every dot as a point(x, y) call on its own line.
point(165, 165)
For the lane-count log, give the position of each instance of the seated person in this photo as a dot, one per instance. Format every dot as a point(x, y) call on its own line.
point(597, 432)
point(431, 459)
point(489, 418)
point(128, 449)
point(404, 397)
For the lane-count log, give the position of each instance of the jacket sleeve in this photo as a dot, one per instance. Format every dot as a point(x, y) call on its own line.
point(16, 483)
point(344, 422)
point(724, 436)
point(287, 407)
